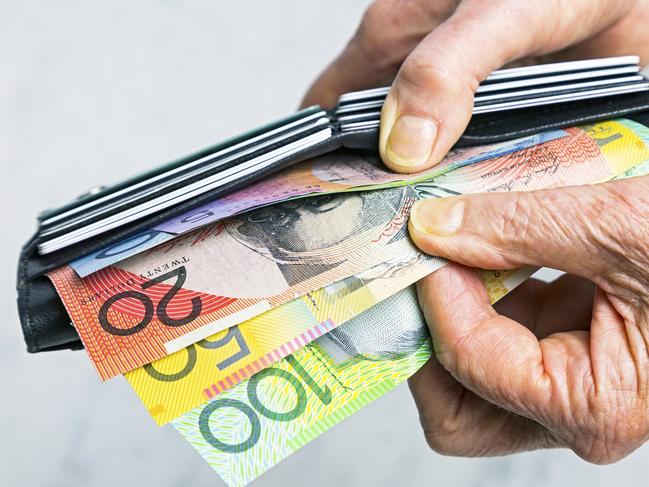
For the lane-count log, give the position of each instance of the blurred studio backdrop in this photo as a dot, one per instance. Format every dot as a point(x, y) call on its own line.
point(91, 92)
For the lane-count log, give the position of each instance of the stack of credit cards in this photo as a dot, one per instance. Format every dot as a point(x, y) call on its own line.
point(266, 148)
point(516, 88)
point(144, 195)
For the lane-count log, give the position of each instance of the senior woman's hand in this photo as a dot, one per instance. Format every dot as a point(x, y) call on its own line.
point(440, 50)
point(564, 364)
point(567, 364)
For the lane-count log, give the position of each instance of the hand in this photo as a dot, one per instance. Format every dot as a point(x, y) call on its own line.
point(564, 364)
point(441, 50)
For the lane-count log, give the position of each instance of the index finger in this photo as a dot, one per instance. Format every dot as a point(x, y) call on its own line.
point(388, 32)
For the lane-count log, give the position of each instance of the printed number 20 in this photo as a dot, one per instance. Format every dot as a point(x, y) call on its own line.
point(149, 309)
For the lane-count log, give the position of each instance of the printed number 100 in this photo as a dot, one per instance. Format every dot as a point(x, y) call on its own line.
point(257, 408)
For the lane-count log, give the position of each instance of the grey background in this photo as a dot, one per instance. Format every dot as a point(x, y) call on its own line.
point(91, 92)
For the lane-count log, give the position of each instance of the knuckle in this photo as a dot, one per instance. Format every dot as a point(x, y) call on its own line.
point(623, 212)
point(516, 219)
point(620, 237)
point(381, 28)
point(448, 445)
point(432, 70)
point(619, 428)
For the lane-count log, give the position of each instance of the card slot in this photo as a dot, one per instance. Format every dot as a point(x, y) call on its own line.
point(351, 127)
point(178, 162)
point(179, 189)
point(359, 116)
point(574, 87)
point(516, 99)
point(627, 63)
point(368, 105)
point(594, 73)
point(481, 99)
point(566, 66)
point(354, 96)
point(175, 183)
point(560, 78)
point(184, 193)
point(568, 97)
point(182, 169)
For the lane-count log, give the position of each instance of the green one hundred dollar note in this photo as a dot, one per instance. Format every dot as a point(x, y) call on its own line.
point(256, 424)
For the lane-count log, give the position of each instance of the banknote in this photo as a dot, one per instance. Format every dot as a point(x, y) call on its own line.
point(246, 265)
point(253, 426)
point(610, 147)
point(239, 456)
point(163, 300)
point(247, 430)
point(166, 398)
point(185, 379)
point(331, 173)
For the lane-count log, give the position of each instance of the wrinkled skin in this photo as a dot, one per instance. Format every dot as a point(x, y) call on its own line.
point(561, 364)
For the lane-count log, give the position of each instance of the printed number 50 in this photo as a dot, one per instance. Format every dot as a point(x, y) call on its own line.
point(233, 334)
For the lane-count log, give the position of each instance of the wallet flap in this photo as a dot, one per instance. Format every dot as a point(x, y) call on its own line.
point(39, 264)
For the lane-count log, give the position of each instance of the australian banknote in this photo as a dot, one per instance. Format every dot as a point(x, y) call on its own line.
point(274, 254)
point(243, 432)
point(156, 303)
point(255, 425)
point(166, 398)
point(612, 148)
point(332, 173)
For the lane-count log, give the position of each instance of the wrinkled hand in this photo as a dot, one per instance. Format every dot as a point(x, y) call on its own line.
point(441, 50)
point(563, 364)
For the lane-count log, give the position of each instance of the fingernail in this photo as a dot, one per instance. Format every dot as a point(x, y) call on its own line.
point(411, 140)
point(438, 217)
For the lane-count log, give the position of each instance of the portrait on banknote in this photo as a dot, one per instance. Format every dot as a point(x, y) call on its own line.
point(307, 236)
point(361, 339)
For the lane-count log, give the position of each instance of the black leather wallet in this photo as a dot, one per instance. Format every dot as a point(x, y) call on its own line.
point(352, 125)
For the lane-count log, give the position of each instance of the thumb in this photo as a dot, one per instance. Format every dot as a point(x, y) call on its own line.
point(584, 230)
point(431, 100)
